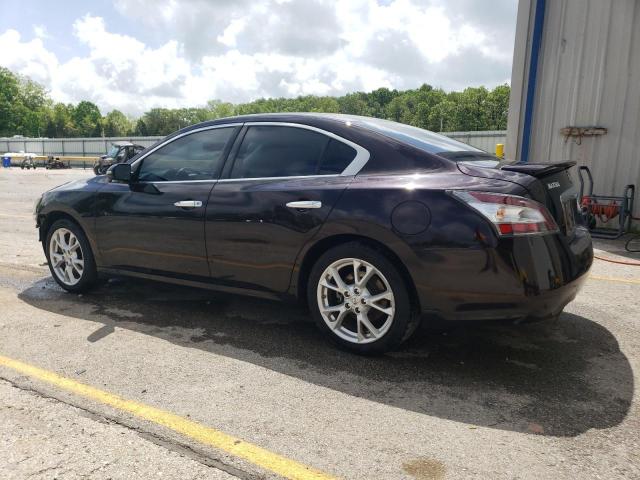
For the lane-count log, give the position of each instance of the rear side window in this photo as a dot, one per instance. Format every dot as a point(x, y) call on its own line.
point(273, 151)
point(197, 156)
point(336, 158)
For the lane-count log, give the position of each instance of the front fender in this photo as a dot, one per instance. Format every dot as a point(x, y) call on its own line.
point(77, 205)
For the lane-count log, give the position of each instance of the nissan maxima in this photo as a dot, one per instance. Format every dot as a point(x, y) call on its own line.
point(374, 224)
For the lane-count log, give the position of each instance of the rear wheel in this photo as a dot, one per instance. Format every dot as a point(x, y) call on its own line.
point(70, 257)
point(360, 300)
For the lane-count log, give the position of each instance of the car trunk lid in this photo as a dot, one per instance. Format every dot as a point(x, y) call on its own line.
point(548, 183)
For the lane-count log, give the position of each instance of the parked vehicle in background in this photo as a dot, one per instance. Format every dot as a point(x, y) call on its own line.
point(375, 224)
point(28, 162)
point(54, 163)
point(120, 152)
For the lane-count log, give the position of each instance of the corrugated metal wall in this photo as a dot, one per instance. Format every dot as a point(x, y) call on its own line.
point(92, 147)
point(89, 147)
point(485, 140)
point(589, 75)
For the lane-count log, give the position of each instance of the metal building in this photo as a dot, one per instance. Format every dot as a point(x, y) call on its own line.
point(576, 88)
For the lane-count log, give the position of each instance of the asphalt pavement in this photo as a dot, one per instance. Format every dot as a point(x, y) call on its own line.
point(191, 369)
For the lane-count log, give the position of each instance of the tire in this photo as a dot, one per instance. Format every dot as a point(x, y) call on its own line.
point(96, 170)
point(393, 317)
point(76, 280)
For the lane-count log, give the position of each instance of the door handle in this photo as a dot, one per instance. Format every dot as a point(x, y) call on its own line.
point(188, 204)
point(304, 204)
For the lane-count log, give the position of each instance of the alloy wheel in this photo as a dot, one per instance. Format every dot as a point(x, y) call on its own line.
point(355, 300)
point(66, 257)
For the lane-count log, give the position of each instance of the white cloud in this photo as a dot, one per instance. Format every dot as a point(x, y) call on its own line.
point(239, 50)
point(40, 31)
point(27, 58)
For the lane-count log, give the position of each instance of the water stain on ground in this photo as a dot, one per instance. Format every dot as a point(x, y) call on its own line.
point(425, 469)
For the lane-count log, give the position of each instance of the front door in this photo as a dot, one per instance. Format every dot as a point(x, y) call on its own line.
point(282, 185)
point(156, 223)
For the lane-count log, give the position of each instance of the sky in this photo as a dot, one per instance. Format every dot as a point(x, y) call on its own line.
point(134, 55)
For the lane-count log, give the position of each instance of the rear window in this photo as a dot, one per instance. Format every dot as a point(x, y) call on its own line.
point(476, 158)
point(425, 140)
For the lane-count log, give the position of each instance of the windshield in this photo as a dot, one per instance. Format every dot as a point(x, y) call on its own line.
point(113, 151)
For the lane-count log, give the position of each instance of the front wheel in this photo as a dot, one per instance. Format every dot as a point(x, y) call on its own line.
point(360, 301)
point(70, 257)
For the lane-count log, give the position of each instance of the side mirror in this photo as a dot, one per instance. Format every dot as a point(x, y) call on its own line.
point(120, 172)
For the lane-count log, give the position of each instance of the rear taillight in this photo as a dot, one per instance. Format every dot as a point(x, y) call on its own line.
point(510, 214)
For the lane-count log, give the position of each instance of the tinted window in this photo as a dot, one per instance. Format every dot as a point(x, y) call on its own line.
point(272, 151)
point(336, 158)
point(193, 157)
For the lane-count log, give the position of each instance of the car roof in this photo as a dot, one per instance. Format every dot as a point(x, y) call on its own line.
point(422, 139)
point(125, 143)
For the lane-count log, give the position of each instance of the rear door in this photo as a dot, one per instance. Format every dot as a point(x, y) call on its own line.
point(280, 186)
point(156, 223)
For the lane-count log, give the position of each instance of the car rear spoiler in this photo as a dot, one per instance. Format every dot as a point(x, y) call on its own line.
point(538, 170)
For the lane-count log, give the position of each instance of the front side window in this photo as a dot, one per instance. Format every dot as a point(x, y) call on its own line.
point(275, 151)
point(197, 156)
point(113, 151)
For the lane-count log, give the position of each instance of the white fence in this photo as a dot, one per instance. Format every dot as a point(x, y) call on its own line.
point(91, 147)
point(77, 147)
point(486, 140)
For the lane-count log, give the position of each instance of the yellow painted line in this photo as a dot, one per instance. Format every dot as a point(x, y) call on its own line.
point(206, 435)
point(614, 279)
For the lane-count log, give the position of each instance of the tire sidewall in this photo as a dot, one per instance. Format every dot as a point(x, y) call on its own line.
point(89, 274)
point(397, 333)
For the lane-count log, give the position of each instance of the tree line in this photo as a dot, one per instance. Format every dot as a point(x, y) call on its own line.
point(26, 109)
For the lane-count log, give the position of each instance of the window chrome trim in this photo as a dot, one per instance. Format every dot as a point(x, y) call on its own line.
point(209, 180)
point(169, 140)
point(292, 177)
point(359, 161)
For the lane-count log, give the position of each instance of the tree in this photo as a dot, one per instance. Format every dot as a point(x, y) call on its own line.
point(9, 93)
point(24, 105)
point(116, 124)
point(354, 103)
point(498, 108)
point(60, 121)
point(25, 108)
point(219, 109)
point(87, 119)
point(141, 128)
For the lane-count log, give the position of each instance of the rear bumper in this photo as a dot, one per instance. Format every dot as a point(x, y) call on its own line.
point(519, 279)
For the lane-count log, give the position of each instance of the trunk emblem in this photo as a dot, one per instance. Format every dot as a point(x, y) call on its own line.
point(553, 185)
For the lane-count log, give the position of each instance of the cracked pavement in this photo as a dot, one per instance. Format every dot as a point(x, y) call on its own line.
point(43, 438)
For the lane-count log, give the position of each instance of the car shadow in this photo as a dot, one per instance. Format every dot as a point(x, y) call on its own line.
point(556, 378)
